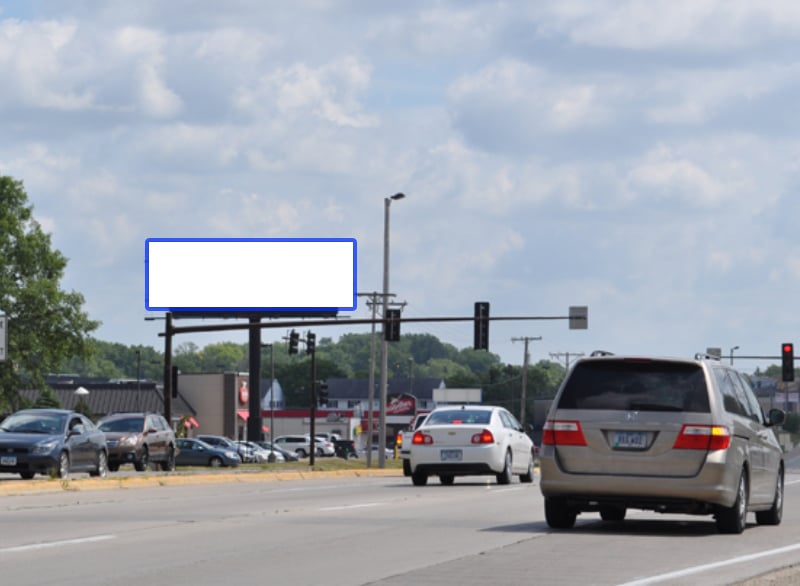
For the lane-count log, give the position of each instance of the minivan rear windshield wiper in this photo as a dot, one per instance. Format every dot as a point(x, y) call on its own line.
point(637, 406)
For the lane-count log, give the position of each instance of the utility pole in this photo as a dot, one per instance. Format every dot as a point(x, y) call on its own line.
point(525, 361)
point(559, 355)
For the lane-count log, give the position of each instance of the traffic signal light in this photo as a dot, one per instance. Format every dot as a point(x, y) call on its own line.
point(322, 395)
point(392, 331)
point(481, 325)
point(174, 374)
point(787, 365)
point(294, 340)
point(311, 343)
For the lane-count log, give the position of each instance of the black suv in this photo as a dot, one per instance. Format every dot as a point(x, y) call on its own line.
point(138, 439)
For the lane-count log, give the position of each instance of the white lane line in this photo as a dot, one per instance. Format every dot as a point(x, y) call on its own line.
point(48, 544)
point(705, 567)
point(347, 507)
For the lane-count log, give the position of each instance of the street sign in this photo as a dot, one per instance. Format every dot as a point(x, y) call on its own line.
point(3, 338)
point(578, 317)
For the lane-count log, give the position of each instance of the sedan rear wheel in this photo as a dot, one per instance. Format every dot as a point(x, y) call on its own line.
point(528, 476)
point(733, 519)
point(101, 467)
point(505, 476)
point(419, 478)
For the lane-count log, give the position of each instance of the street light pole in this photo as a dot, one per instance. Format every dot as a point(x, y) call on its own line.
point(387, 202)
point(732, 349)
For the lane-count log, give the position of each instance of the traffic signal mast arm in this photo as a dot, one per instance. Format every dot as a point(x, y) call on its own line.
point(350, 322)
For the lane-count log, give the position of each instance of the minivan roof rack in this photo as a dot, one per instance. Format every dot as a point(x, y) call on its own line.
point(707, 356)
point(602, 353)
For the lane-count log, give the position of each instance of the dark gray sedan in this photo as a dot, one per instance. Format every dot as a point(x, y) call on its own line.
point(193, 452)
point(53, 442)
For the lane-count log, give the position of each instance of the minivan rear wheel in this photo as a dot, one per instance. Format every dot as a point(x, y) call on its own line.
point(734, 518)
point(612, 513)
point(558, 514)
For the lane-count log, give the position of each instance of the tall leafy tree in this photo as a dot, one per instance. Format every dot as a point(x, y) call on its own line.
point(46, 324)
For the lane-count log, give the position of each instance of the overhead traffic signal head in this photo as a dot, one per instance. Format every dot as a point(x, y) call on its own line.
point(322, 395)
point(311, 343)
point(787, 361)
point(481, 325)
point(392, 331)
point(294, 341)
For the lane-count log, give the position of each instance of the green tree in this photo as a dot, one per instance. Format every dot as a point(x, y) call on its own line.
point(46, 324)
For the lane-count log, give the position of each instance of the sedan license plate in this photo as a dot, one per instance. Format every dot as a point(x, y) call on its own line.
point(8, 461)
point(629, 440)
point(450, 455)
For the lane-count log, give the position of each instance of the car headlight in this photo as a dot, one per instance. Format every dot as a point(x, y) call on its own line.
point(45, 447)
point(129, 440)
point(232, 455)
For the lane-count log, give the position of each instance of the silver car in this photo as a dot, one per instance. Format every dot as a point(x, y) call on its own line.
point(663, 434)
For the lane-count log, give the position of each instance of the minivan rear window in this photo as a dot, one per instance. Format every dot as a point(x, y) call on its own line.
point(630, 385)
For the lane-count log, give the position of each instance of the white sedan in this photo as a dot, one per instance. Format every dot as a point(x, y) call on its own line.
point(471, 440)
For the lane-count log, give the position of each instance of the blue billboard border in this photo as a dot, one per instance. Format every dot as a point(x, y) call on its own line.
point(250, 309)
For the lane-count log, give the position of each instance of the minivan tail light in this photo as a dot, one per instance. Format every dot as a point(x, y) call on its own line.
point(563, 433)
point(421, 439)
point(703, 437)
point(484, 437)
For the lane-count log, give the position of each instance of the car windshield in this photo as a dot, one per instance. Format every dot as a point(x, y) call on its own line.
point(126, 425)
point(460, 416)
point(631, 385)
point(49, 423)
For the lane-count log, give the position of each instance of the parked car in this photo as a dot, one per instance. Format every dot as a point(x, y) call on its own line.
point(671, 435)
point(220, 441)
point(301, 445)
point(469, 440)
point(260, 455)
point(345, 448)
point(140, 439)
point(51, 441)
point(287, 455)
point(194, 452)
point(325, 446)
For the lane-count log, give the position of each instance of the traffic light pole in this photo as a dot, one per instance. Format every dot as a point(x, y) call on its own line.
point(313, 447)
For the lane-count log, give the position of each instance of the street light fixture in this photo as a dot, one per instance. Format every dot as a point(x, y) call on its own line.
point(387, 202)
point(732, 349)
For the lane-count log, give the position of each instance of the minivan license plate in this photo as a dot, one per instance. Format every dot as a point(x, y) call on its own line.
point(450, 455)
point(636, 440)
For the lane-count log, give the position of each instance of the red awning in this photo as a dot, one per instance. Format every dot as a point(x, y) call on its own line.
point(243, 414)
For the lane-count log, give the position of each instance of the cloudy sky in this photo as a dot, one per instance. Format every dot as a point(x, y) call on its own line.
point(638, 157)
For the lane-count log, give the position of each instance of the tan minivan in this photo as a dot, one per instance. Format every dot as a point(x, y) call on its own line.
point(669, 435)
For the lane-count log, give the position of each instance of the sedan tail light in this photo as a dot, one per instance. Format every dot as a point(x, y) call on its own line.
point(421, 438)
point(703, 437)
point(562, 433)
point(484, 437)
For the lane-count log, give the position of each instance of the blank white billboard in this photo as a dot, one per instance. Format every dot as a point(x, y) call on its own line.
point(221, 274)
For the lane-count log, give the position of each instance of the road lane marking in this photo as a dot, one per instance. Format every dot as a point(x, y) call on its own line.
point(346, 507)
point(705, 567)
point(48, 544)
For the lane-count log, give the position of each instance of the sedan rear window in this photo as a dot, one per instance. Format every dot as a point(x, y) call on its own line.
point(628, 385)
point(459, 416)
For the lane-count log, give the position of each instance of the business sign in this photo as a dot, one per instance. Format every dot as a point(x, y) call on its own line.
point(3, 338)
point(250, 274)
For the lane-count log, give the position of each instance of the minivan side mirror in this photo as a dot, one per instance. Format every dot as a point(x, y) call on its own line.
point(776, 417)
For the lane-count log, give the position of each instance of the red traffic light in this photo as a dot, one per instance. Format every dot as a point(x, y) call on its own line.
point(788, 348)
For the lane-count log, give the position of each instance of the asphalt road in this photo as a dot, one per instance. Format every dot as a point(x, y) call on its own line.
point(356, 530)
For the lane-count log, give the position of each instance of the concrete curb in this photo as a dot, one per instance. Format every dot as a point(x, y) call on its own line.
point(26, 487)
